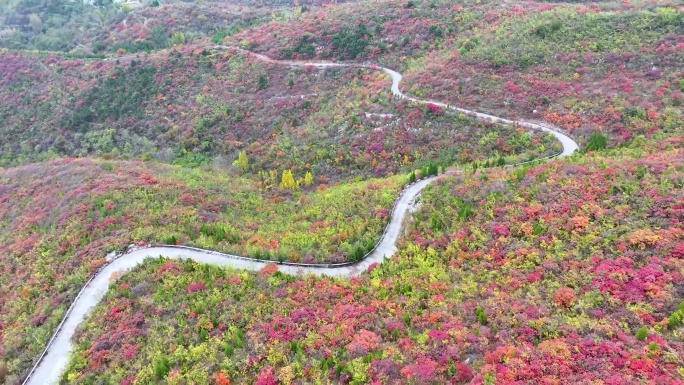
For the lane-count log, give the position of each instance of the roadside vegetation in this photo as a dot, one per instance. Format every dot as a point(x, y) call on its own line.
point(192, 107)
point(61, 219)
point(527, 274)
point(143, 126)
point(585, 67)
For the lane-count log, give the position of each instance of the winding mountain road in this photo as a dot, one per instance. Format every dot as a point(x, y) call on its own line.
point(54, 360)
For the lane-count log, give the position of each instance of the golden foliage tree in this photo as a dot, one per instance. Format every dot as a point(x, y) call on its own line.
point(287, 181)
point(242, 163)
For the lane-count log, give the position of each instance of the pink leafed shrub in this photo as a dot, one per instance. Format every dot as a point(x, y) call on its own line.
point(434, 109)
point(195, 287)
point(463, 372)
point(266, 377)
point(423, 371)
point(500, 230)
point(363, 342)
point(678, 251)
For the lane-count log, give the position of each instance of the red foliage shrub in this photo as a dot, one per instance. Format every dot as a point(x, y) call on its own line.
point(170, 267)
point(269, 269)
point(39, 319)
point(148, 179)
point(130, 352)
point(221, 378)
point(434, 109)
point(372, 266)
point(384, 371)
point(463, 372)
point(500, 354)
point(195, 287)
point(3, 372)
point(512, 88)
point(363, 342)
point(187, 200)
point(564, 297)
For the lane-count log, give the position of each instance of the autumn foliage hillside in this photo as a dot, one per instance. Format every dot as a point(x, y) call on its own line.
point(61, 219)
point(562, 272)
point(585, 67)
point(111, 26)
point(568, 272)
point(195, 105)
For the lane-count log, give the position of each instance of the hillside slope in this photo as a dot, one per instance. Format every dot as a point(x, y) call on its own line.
point(527, 275)
point(564, 272)
point(611, 67)
point(60, 219)
point(194, 105)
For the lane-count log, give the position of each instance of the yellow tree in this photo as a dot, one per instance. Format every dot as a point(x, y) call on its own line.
point(287, 181)
point(308, 179)
point(242, 163)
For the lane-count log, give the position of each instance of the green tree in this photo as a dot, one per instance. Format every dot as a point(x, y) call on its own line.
point(642, 333)
point(351, 43)
point(178, 38)
point(161, 367)
point(262, 82)
point(675, 319)
point(436, 31)
point(434, 169)
point(481, 316)
point(159, 37)
point(597, 141)
point(412, 177)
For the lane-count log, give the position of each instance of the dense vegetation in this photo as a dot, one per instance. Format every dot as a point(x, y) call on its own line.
point(194, 106)
point(529, 275)
point(614, 72)
point(583, 67)
point(49, 25)
point(568, 272)
point(107, 26)
point(155, 28)
point(60, 220)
